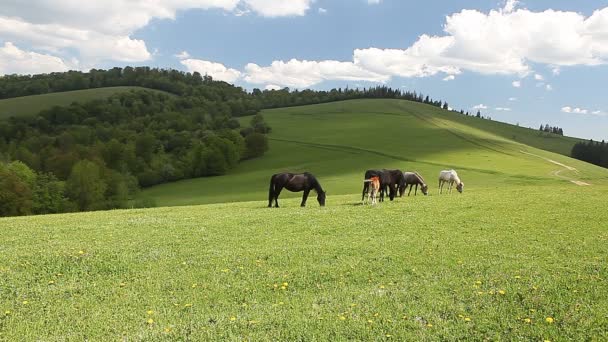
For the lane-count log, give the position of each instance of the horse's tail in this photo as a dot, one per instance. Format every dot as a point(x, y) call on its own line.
point(271, 190)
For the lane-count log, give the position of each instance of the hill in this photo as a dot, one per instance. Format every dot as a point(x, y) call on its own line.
point(338, 141)
point(32, 105)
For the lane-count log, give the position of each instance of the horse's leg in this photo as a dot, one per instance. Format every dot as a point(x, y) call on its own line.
point(365, 190)
point(304, 198)
point(416, 191)
point(277, 192)
point(450, 187)
point(439, 187)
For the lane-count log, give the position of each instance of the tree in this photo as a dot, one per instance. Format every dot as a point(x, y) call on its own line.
point(15, 194)
point(85, 186)
point(257, 145)
point(479, 114)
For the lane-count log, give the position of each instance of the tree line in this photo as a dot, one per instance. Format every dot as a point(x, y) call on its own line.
point(592, 152)
point(549, 129)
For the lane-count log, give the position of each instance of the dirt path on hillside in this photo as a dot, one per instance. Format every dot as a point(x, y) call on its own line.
point(557, 173)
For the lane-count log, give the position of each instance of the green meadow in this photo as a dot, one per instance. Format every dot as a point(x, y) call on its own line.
point(520, 255)
point(31, 105)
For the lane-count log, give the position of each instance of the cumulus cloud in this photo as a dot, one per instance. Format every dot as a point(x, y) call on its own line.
point(216, 70)
point(449, 78)
point(272, 87)
point(512, 99)
point(502, 109)
point(538, 77)
point(516, 84)
point(303, 73)
point(480, 106)
point(549, 87)
point(14, 60)
point(182, 55)
point(322, 10)
point(279, 8)
point(577, 110)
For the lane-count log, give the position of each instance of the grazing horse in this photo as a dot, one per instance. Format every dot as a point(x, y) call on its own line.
point(373, 189)
point(450, 177)
point(294, 182)
point(411, 179)
point(390, 179)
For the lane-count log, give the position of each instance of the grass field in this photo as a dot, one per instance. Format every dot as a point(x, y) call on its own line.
point(500, 263)
point(520, 255)
point(339, 141)
point(31, 105)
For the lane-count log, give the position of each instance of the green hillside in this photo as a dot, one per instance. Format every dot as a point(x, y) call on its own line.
point(31, 105)
point(339, 141)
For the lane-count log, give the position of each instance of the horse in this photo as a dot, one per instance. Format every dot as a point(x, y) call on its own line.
point(295, 182)
point(450, 177)
point(411, 179)
point(390, 179)
point(373, 189)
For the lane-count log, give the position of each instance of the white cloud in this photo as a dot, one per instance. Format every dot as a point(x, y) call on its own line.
point(516, 84)
point(216, 70)
point(512, 99)
point(556, 70)
point(373, 2)
point(279, 8)
point(182, 55)
point(538, 77)
point(301, 74)
point(549, 87)
point(272, 87)
point(322, 10)
point(449, 78)
point(510, 5)
point(16, 61)
point(480, 106)
point(576, 110)
point(502, 109)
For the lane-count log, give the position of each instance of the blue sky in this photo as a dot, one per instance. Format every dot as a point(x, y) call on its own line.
point(526, 62)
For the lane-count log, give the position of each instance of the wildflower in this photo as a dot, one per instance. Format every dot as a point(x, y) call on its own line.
point(502, 292)
point(549, 320)
point(168, 329)
point(429, 325)
point(281, 303)
point(51, 282)
point(150, 321)
point(285, 284)
point(461, 316)
point(283, 287)
point(59, 274)
point(122, 284)
point(150, 312)
point(81, 252)
point(194, 285)
point(7, 312)
point(233, 318)
point(342, 318)
point(187, 305)
point(370, 321)
point(527, 320)
point(381, 286)
point(517, 277)
point(467, 319)
point(479, 292)
point(25, 302)
point(353, 305)
point(388, 335)
point(478, 282)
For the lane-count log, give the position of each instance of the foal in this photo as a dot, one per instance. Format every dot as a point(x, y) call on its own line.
point(373, 189)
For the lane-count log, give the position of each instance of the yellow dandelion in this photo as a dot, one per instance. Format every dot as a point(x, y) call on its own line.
point(532, 310)
point(479, 292)
point(549, 320)
point(467, 319)
point(517, 277)
point(122, 284)
point(51, 282)
point(25, 302)
point(168, 329)
point(388, 335)
point(59, 274)
point(188, 305)
point(150, 321)
point(381, 286)
point(502, 292)
point(534, 288)
point(150, 312)
point(478, 282)
point(81, 252)
point(461, 316)
point(429, 325)
point(342, 318)
point(370, 321)
point(233, 318)
point(353, 305)
point(194, 285)
point(285, 284)
point(376, 314)
point(527, 320)
point(7, 312)
point(547, 341)
point(283, 287)
point(281, 303)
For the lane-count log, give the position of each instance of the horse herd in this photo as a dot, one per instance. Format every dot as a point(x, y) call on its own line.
point(376, 185)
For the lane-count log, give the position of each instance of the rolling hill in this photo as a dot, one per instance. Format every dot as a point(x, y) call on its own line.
point(339, 141)
point(31, 105)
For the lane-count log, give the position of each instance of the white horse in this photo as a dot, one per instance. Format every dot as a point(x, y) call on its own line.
point(450, 177)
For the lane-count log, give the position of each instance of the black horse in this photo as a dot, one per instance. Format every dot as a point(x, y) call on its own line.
point(294, 182)
point(390, 182)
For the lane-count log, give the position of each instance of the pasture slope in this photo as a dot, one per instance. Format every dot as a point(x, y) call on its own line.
point(32, 105)
point(521, 255)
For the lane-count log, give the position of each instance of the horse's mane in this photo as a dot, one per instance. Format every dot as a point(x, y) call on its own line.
point(419, 177)
point(314, 182)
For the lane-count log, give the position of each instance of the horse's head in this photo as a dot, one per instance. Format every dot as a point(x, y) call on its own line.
point(460, 187)
point(425, 189)
point(402, 189)
point(321, 198)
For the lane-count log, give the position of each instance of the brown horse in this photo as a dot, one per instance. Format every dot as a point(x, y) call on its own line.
point(390, 182)
point(374, 188)
point(294, 183)
point(411, 179)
